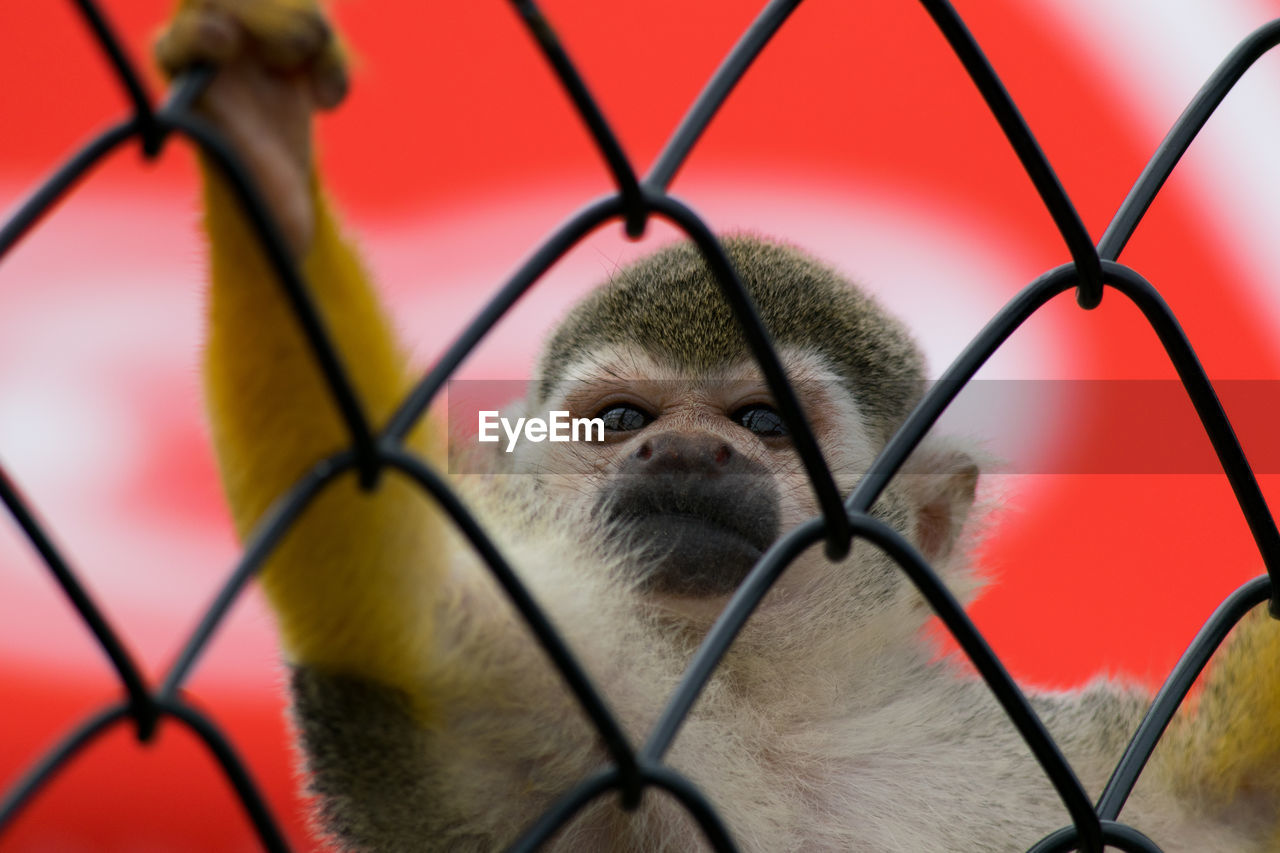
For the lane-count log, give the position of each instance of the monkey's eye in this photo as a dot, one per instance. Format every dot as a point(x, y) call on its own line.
point(624, 418)
point(761, 419)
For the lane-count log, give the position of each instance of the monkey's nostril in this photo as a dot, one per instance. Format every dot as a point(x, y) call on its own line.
point(723, 453)
point(645, 451)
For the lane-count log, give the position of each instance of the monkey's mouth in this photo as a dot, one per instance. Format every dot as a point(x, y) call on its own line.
point(693, 536)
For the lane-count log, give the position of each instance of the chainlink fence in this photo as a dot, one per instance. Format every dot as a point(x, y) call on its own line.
point(1091, 269)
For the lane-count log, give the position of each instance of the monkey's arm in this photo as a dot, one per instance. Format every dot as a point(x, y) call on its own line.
point(355, 582)
point(365, 592)
point(421, 703)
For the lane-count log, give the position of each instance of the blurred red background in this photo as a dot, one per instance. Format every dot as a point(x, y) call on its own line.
point(856, 135)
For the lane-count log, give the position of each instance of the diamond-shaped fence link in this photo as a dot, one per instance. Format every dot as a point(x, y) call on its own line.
point(1092, 269)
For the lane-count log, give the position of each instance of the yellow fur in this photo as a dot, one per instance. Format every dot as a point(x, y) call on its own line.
point(1226, 747)
point(340, 583)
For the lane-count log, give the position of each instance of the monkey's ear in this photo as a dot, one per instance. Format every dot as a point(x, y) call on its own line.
point(941, 483)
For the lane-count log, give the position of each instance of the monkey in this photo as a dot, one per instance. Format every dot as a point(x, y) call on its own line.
point(428, 717)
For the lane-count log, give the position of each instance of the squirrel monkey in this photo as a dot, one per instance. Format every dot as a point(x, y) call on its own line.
point(431, 721)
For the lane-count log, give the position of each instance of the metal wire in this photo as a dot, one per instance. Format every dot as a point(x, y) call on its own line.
point(1046, 182)
point(631, 772)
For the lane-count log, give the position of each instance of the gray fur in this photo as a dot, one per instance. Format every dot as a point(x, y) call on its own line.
point(366, 758)
point(829, 727)
point(670, 305)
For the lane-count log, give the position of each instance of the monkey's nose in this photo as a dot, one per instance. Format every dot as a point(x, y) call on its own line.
point(679, 453)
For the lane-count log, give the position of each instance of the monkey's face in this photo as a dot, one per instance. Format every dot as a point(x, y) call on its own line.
point(695, 477)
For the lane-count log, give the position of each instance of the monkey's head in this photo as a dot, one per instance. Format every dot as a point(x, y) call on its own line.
point(696, 474)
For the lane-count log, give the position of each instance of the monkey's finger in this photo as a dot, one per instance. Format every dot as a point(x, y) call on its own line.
point(199, 34)
point(288, 34)
point(329, 79)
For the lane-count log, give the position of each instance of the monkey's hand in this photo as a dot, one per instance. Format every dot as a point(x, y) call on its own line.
point(353, 583)
point(278, 62)
point(1222, 752)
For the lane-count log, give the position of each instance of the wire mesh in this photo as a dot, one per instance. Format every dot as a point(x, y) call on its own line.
point(1090, 271)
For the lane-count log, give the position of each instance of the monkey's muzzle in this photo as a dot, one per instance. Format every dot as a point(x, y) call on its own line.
point(691, 534)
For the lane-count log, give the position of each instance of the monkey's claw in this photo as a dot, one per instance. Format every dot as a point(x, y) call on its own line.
point(288, 38)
